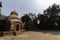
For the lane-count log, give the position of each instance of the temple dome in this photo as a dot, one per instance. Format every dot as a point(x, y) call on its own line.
point(14, 12)
point(14, 16)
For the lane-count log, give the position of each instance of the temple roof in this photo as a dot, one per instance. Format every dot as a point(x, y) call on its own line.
point(14, 15)
point(14, 12)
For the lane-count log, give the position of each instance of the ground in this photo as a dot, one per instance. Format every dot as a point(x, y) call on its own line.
point(34, 35)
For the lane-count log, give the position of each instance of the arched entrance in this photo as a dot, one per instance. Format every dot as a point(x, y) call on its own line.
point(17, 27)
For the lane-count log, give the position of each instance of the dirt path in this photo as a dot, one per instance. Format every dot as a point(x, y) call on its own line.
point(34, 36)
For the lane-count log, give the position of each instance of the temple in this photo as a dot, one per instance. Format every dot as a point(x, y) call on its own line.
point(11, 25)
point(14, 23)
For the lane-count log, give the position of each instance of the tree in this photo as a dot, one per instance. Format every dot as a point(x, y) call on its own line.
point(3, 19)
point(0, 4)
point(52, 13)
point(43, 22)
point(32, 16)
point(29, 25)
point(25, 20)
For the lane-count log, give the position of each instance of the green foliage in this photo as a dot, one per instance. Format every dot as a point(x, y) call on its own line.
point(25, 18)
point(3, 17)
point(53, 17)
point(0, 4)
point(49, 20)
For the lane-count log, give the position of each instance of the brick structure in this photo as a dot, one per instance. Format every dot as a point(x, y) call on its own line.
point(14, 23)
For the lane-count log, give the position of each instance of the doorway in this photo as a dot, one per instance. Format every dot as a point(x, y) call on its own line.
point(17, 27)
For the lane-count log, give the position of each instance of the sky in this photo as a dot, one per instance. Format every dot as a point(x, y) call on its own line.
point(26, 6)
